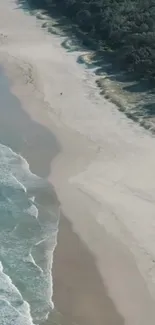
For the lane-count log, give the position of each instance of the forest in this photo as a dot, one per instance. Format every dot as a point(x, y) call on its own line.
point(126, 27)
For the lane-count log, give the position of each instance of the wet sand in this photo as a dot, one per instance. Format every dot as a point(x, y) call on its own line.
point(24, 136)
point(80, 296)
point(79, 292)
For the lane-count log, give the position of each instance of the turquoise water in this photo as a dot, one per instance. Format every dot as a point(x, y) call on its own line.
point(29, 214)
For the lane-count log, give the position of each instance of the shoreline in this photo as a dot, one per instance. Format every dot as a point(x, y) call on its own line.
point(79, 295)
point(104, 176)
point(101, 243)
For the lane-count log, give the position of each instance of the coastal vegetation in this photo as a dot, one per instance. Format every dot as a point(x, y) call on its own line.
point(126, 27)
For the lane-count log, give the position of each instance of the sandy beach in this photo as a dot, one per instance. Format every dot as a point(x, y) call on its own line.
point(80, 296)
point(102, 168)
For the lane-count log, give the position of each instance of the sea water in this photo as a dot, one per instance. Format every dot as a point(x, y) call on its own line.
point(28, 231)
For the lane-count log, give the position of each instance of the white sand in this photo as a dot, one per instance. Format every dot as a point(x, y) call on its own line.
point(114, 210)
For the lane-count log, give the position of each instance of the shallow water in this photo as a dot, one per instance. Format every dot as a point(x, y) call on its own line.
point(29, 215)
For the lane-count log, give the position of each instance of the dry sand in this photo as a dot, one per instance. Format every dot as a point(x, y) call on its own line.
point(104, 174)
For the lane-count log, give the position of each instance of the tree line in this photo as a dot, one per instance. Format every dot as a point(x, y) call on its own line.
point(127, 27)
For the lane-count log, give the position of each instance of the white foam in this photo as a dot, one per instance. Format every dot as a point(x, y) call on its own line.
point(13, 309)
point(33, 211)
point(27, 241)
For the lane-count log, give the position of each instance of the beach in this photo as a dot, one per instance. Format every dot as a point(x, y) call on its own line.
point(74, 289)
point(100, 169)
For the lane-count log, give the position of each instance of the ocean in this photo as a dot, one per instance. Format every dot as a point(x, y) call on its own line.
point(29, 216)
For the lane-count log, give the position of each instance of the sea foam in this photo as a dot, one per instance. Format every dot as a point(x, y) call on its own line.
point(28, 232)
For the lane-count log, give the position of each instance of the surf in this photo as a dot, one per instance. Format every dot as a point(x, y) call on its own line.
point(28, 234)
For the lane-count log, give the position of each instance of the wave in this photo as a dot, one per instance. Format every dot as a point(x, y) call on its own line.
point(13, 309)
point(28, 232)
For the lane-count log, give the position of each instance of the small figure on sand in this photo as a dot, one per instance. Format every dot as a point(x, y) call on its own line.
point(60, 93)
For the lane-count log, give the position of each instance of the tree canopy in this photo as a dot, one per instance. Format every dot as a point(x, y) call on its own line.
point(125, 26)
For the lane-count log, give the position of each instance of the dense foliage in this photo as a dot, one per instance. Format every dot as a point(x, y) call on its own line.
point(125, 26)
